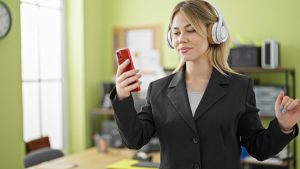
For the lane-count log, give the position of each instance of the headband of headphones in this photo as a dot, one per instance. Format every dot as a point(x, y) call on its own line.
point(217, 32)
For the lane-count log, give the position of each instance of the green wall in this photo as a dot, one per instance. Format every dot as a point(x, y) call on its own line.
point(75, 75)
point(11, 142)
point(85, 67)
point(94, 55)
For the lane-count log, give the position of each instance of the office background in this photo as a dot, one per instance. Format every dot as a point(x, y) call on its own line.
point(89, 59)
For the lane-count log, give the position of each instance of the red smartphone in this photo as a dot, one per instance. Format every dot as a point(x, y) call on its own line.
point(122, 55)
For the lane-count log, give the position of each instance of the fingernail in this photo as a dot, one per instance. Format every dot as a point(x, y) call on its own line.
point(127, 61)
point(140, 82)
point(137, 70)
point(139, 75)
point(282, 109)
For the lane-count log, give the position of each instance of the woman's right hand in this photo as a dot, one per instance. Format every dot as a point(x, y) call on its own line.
point(124, 80)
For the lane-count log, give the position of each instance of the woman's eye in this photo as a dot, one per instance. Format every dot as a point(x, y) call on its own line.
point(176, 33)
point(191, 30)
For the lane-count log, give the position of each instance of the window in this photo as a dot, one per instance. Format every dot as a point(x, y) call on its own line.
point(42, 75)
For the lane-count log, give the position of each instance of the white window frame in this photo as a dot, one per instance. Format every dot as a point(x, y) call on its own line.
point(39, 80)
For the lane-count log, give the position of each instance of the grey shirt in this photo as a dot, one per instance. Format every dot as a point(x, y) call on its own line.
point(194, 99)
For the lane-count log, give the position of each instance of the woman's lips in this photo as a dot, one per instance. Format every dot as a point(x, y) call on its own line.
point(184, 50)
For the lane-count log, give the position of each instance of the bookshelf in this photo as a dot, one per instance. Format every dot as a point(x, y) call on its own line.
point(289, 83)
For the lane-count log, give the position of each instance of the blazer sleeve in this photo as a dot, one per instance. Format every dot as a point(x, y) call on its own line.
point(136, 129)
point(261, 143)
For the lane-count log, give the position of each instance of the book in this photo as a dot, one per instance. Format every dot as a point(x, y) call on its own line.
point(132, 164)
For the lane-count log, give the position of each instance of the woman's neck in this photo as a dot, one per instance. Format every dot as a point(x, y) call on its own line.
point(197, 75)
point(200, 69)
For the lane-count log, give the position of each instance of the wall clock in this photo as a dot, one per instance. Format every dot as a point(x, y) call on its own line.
point(5, 20)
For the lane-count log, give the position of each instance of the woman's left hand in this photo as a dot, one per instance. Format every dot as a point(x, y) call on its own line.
point(287, 111)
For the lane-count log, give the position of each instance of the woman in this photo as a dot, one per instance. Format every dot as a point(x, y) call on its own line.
point(205, 111)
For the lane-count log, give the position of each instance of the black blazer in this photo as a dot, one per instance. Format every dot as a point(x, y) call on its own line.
point(225, 119)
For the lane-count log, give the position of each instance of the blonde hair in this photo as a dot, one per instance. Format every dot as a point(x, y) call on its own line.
point(195, 10)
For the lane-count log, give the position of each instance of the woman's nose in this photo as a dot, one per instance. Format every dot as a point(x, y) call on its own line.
point(182, 38)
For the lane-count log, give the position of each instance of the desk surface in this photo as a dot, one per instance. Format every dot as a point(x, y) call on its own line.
point(91, 159)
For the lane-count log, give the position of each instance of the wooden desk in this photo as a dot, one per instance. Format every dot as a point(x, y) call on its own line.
point(91, 159)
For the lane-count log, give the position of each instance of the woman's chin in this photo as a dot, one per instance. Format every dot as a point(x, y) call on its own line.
point(187, 58)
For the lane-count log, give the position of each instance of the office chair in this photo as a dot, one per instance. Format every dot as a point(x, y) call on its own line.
point(38, 143)
point(41, 155)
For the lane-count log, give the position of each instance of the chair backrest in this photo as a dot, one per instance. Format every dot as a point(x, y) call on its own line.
point(41, 155)
point(42, 142)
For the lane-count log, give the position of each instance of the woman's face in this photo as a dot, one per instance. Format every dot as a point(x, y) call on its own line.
point(188, 43)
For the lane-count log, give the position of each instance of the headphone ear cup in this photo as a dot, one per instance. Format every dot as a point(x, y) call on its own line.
point(215, 35)
point(169, 39)
point(223, 34)
point(209, 34)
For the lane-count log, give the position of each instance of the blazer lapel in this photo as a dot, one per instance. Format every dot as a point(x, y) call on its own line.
point(215, 91)
point(178, 96)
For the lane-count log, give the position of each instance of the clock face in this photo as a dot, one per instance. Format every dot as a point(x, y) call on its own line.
point(5, 20)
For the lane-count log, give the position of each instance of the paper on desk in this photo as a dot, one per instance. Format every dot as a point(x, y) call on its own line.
point(49, 165)
point(125, 164)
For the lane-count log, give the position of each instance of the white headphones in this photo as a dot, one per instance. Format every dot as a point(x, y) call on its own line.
point(217, 32)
